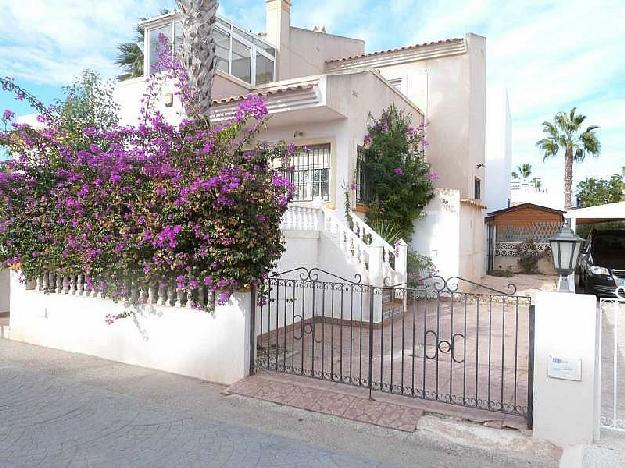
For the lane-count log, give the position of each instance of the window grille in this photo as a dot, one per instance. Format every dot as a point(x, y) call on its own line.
point(311, 172)
point(363, 194)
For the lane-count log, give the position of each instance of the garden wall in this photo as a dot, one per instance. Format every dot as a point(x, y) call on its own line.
point(209, 346)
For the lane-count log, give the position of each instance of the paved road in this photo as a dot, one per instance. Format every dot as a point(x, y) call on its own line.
point(62, 409)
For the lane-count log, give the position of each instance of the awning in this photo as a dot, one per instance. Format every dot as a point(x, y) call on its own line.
point(597, 214)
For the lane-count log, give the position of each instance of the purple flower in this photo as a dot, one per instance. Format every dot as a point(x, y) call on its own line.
point(8, 115)
point(433, 176)
point(398, 171)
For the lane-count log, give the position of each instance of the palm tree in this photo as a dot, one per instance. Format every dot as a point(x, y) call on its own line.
point(565, 132)
point(198, 52)
point(524, 170)
point(130, 56)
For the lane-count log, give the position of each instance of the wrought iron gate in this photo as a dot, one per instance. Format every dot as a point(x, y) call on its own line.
point(433, 342)
point(613, 363)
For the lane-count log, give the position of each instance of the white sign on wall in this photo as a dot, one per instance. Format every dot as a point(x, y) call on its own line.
point(564, 368)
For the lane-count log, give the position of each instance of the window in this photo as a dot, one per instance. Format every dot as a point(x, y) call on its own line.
point(397, 84)
point(222, 50)
point(155, 45)
point(311, 174)
point(239, 53)
point(241, 61)
point(177, 37)
point(264, 70)
point(478, 188)
point(363, 194)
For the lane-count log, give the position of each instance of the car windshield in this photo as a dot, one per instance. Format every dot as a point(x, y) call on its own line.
point(613, 243)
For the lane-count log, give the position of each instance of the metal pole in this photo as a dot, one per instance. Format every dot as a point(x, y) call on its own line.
point(252, 328)
point(371, 305)
point(530, 369)
point(615, 363)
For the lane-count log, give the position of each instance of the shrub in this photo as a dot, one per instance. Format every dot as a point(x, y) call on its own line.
point(184, 203)
point(529, 256)
point(419, 268)
point(398, 180)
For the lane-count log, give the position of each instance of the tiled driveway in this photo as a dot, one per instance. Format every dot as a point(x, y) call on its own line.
point(472, 351)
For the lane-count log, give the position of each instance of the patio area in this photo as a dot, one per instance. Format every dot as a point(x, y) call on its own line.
point(472, 351)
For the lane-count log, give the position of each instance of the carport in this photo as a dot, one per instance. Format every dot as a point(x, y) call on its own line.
point(596, 214)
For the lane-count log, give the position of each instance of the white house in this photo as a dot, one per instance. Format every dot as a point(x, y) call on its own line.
point(320, 90)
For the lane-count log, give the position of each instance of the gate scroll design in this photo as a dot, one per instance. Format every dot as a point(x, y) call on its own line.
point(448, 340)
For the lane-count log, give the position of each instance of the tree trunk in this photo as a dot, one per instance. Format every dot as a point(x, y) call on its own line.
point(198, 53)
point(568, 178)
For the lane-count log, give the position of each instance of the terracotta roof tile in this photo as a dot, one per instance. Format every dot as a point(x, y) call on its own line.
point(264, 93)
point(400, 49)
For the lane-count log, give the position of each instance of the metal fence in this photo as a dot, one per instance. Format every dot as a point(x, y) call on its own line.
point(612, 311)
point(436, 342)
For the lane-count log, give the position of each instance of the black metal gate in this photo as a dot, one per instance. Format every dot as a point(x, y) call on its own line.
point(435, 342)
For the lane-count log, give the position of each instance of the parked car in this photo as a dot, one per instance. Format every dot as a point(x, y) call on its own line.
point(602, 263)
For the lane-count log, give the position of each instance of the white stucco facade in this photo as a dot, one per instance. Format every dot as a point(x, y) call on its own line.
point(498, 150)
point(327, 89)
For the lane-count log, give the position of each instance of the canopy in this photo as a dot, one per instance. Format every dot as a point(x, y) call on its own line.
point(597, 214)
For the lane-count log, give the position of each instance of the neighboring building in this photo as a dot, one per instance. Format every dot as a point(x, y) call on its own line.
point(498, 149)
point(511, 228)
point(534, 191)
point(320, 90)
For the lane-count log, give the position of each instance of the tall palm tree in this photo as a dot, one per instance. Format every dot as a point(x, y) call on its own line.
point(566, 133)
point(198, 52)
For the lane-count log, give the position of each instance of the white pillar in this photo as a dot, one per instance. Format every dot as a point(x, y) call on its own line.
point(565, 405)
point(401, 260)
point(376, 264)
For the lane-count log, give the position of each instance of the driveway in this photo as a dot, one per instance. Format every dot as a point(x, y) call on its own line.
point(63, 409)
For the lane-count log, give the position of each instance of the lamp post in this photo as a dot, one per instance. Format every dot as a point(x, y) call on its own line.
point(565, 249)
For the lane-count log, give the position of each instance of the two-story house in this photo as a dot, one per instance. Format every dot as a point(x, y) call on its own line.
point(320, 90)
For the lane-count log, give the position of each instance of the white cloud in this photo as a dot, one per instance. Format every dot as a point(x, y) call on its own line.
point(551, 54)
point(51, 41)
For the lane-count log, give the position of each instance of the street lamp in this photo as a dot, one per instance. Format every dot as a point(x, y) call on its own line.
point(565, 249)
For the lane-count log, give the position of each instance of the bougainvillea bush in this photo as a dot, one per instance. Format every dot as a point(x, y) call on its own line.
point(183, 204)
point(399, 183)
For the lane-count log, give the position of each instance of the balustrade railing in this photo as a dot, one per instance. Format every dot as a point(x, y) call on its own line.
point(359, 242)
point(370, 237)
point(301, 218)
point(163, 293)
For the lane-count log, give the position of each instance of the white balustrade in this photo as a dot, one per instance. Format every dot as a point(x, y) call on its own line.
point(301, 218)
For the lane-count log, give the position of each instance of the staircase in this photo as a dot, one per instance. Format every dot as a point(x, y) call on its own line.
point(375, 260)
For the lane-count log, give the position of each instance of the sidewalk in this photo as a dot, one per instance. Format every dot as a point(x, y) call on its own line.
point(67, 402)
point(350, 402)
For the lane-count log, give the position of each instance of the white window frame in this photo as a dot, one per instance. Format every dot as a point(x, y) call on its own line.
point(228, 28)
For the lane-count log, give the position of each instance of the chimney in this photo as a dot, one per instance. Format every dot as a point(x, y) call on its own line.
point(279, 33)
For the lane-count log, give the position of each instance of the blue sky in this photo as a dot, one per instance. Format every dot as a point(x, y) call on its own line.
point(551, 55)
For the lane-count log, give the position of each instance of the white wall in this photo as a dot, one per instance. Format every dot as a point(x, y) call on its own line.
point(5, 290)
point(498, 149)
point(437, 235)
point(213, 347)
point(309, 50)
point(472, 242)
point(564, 410)
point(451, 90)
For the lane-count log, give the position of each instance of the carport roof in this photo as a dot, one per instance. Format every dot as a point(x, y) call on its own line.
point(598, 214)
